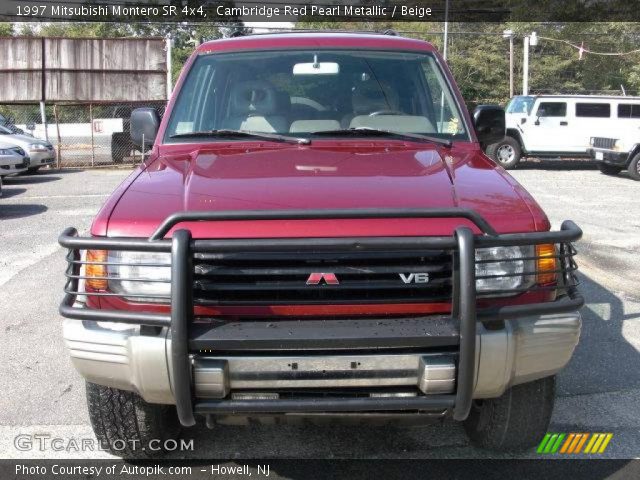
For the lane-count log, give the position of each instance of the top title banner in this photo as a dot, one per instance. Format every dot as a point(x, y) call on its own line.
point(301, 10)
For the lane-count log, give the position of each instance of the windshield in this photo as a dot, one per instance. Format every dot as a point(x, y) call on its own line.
point(520, 104)
point(4, 130)
point(306, 91)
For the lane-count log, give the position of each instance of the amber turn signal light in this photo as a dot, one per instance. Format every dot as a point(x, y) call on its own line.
point(546, 263)
point(95, 267)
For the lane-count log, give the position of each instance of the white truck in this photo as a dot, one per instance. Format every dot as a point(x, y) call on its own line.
point(616, 151)
point(554, 126)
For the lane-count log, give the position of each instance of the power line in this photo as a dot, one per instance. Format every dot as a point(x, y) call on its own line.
point(581, 48)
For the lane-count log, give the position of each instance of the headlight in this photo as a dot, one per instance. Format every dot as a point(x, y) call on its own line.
point(591, 141)
point(4, 151)
point(617, 146)
point(37, 147)
point(140, 274)
point(504, 268)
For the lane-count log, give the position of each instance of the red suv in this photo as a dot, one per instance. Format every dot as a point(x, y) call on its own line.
point(316, 230)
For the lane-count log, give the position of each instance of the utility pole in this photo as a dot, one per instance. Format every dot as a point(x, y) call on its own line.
point(446, 29)
point(525, 67)
point(533, 41)
point(509, 34)
point(169, 42)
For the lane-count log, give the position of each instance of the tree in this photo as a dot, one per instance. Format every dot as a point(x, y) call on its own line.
point(478, 55)
point(6, 30)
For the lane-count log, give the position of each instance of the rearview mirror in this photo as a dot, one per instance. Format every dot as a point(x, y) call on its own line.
point(489, 121)
point(144, 125)
point(316, 68)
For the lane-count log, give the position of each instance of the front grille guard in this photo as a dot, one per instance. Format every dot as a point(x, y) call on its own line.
point(182, 248)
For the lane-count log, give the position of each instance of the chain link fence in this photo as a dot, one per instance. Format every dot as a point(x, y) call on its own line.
point(83, 134)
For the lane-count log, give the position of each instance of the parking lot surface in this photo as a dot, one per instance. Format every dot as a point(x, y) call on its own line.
point(599, 391)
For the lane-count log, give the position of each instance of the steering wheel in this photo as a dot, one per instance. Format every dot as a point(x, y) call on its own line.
point(386, 112)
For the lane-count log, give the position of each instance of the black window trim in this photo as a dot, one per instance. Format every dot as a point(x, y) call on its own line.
point(607, 104)
point(560, 102)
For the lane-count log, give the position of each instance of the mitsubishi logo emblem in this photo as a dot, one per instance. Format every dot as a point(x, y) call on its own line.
point(317, 278)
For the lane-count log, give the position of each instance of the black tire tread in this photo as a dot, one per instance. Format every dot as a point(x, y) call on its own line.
point(492, 149)
point(515, 421)
point(119, 418)
point(633, 167)
point(609, 169)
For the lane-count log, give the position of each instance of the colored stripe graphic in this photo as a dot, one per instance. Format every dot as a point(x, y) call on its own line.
point(566, 445)
point(551, 443)
point(573, 443)
point(543, 443)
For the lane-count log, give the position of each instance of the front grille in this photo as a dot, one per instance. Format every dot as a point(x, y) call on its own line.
point(281, 278)
point(601, 142)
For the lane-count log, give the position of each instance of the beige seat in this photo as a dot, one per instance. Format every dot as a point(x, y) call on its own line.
point(369, 97)
point(256, 106)
point(314, 126)
point(396, 123)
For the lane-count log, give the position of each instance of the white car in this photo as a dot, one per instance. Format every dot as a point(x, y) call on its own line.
point(13, 159)
point(40, 152)
point(561, 125)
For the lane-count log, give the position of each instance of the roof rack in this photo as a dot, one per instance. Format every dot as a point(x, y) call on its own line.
point(242, 31)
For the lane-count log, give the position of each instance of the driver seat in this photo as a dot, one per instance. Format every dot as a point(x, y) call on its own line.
point(256, 106)
point(370, 96)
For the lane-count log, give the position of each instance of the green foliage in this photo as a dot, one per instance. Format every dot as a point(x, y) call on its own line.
point(5, 29)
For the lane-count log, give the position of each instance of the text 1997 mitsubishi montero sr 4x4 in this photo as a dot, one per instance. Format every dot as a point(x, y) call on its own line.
point(317, 232)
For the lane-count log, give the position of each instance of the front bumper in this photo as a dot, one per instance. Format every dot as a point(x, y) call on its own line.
point(609, 157)
point(479, 353)
point(525, 349)
point(39, 159)
point(18, 166)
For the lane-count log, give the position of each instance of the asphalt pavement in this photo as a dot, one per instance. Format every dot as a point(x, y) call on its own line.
point(599, 391)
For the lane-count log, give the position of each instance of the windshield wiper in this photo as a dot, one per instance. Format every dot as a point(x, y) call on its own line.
point(242, 133)
point(367, 131)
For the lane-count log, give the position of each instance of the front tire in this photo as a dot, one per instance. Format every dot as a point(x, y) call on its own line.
point(634, 167)
point(515, 421)
point(507, 153)
point(127, 426)
point(609, 169)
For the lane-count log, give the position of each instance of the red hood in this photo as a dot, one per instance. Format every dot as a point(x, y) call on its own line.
point(268, 176)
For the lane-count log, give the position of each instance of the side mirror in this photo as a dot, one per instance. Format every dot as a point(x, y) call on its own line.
point(144, 124)
point(539, 113)
point(490, 124)
point(31, 126)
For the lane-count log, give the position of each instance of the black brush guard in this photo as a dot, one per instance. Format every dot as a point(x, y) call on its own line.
point(182, 248)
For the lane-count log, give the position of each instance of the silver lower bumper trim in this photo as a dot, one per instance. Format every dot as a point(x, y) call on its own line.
point(215, 377)
point(524, 350)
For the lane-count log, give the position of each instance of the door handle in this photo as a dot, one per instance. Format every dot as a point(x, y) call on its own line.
point(564, 124)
